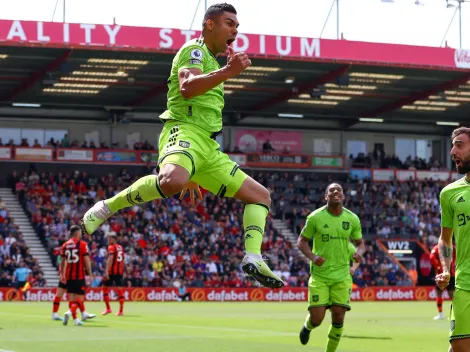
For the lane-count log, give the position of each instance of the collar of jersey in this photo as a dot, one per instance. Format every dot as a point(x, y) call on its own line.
point(209, 50)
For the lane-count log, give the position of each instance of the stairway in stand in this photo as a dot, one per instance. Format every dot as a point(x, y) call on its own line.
point(31, 238)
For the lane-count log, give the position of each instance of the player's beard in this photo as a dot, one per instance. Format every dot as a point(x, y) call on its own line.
point(464, 168)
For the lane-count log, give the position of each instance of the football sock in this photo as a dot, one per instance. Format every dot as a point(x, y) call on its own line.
point(334, 336)
point(439, 301)
point(73, 308)
point(143, 190)
point(121, 300)
point(81, 306)
point(254, 221)
point(106, 297)
point(56, 304)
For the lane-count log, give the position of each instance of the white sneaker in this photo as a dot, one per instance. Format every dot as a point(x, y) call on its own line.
point(77, 322)
point(67, 316)
point(56, 316)
point(440, 316)
point(95, 216)
point(86, 316)
point(255, 266)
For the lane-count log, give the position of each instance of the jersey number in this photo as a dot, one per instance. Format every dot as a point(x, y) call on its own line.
point(72, 256)
point(119, 256)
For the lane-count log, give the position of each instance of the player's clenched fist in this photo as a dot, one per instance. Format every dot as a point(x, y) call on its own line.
point(318, 260)
point(442, 280)
point(237, 63)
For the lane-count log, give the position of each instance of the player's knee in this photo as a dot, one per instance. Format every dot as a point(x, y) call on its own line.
point(172, 180)
point(337, 318)
point(315, 320)
point(265, 196)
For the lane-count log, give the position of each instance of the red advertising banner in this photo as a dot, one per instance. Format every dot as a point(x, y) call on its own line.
point(287, 294)
point(252, 141)
point(56, 34)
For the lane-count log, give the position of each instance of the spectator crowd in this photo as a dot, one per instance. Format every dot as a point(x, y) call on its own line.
point(201, 245)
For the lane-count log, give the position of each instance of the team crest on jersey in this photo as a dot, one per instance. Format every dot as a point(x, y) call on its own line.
point(197, 54)
point(315, 298)
point(345, 225)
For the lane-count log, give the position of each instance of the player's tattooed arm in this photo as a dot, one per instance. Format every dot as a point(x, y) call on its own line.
point(445, 248)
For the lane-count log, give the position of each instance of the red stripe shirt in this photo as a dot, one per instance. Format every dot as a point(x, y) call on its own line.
point(74, 251)
point(117, 266)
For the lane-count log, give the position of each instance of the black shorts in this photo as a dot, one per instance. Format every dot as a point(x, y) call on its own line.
point(62, 285)
point(76, 287)
point(113, 281)
point(20, 284)
point(451, 285)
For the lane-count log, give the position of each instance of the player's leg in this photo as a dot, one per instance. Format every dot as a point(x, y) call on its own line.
point(460, 321)
point(120, 291)
point(340, 294)
point(56, 304)
point(106, 285)
point(223, 177)
point(439, 301)
point(180, 156)
point(318, 302)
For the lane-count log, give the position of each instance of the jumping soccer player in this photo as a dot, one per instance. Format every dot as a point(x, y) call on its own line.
point(331, 227)
point(436, 263)
point(113, 273)
point(189, 153)
point(75, 259)
point(455, 219)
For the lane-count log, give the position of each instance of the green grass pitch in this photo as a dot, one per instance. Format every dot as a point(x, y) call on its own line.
point(221, 327)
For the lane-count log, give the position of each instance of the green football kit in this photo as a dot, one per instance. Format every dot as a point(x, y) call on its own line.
point(188, 136)
point(455, 215)
point(331, 283)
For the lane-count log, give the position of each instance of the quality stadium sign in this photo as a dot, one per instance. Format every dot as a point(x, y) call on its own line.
point(109, 37)
point(287, 294)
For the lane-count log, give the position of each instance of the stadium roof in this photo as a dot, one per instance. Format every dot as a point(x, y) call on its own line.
point(79, 71)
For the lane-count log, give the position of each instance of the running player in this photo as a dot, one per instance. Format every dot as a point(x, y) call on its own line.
point(75, 259)
point(331, 228)
point(189, 153)
point(61, 289)
point(455, 219)
point(436, 263)
point(113, 274)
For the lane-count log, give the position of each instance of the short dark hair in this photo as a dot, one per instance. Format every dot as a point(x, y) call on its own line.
point(461, 130)
point(216, 10)
point(74, 229)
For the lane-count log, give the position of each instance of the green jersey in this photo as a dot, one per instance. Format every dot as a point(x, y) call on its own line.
point(204, 110)
point(455, 215)
point(331, 240)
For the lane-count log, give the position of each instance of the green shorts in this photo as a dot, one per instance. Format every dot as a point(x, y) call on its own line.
point(323, 293)
point(192, 148)
point(460, 315)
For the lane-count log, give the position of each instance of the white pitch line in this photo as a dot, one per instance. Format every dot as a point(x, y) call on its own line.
point(6, 350)
point(130, 337)
point(195, 327)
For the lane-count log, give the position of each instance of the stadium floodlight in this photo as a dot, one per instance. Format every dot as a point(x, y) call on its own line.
point(295, 116)
point(370, 119)
point(289, 80)
point(26, 105)
point(447, 123)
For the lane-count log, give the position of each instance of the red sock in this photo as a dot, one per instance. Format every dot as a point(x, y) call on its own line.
point(70, 305)
point(56, 304)
point(121, 300)
point(73, 308)
point(106, 297)
point(81, 305)
point(439, 304)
